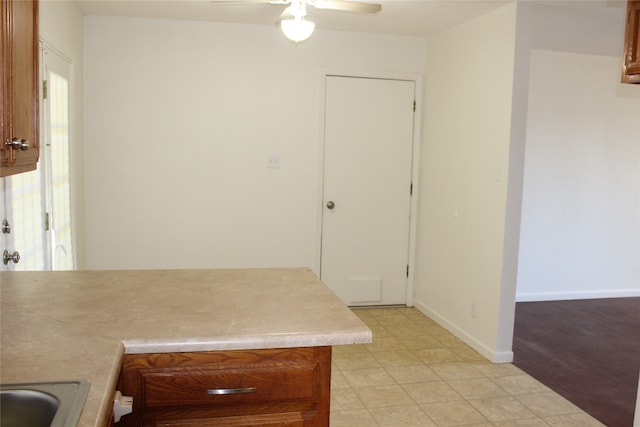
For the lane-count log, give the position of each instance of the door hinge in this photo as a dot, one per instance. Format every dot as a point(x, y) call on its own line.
point(414, 105)
point(47, 221)
point(44, 89)
point(407, 270)
point(411, 189)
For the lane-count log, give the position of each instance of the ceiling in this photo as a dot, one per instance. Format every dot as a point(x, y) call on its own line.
point(583, 26)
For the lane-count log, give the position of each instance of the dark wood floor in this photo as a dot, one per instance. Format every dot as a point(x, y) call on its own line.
point(586, 350)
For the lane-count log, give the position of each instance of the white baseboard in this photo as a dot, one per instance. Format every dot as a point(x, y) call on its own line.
point(492, 355)
point(571, 295)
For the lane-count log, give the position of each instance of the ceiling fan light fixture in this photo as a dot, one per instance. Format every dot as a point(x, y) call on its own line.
point(297, 29)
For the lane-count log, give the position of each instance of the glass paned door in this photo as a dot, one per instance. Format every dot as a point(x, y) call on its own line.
point(58, 197)
point(38, 203)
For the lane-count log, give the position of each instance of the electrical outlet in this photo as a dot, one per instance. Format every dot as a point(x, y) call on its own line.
point(273, 161)
point(474, 310)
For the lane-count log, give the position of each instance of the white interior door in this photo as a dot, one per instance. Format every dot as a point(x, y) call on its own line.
point(366, 189)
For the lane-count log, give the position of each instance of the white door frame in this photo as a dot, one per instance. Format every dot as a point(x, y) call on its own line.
point(415, 167)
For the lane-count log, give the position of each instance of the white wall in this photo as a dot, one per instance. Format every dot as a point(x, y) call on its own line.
point(61, 26)
point(465, 173)
point(180, 120)
point(581, 200)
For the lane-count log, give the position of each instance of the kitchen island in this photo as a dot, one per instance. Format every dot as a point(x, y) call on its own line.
point(80, 324)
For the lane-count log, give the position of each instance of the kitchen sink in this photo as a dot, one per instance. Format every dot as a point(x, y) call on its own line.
point(46, 404)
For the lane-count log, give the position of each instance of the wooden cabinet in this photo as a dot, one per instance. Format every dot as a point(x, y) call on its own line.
point(19, 147)
point(631, 60)
point(273, 387)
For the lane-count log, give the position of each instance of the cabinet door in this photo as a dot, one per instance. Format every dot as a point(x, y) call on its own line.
point(5, 105)
point(19, 86)
point(631, 61)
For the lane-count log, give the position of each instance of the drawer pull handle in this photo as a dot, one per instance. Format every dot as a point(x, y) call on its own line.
point(243, 390)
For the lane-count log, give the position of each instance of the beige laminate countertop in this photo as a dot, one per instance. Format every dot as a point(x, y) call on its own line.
point(78, 324)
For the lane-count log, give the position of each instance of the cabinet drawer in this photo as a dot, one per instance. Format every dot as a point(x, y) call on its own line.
point(288, 387)
point(246, 385)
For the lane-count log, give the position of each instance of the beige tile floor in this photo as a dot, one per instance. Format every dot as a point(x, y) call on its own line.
point(416, 373)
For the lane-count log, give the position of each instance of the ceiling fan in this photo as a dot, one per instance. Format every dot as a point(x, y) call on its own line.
point(293, 22)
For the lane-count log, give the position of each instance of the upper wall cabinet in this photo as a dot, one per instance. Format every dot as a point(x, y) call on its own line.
point(19, 147)
point(631, 61)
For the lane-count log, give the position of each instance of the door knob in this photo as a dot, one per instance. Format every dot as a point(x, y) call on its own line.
point(7, 257)
point(330, 204)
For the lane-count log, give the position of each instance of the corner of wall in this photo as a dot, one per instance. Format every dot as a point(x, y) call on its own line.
point(492, 355)
point(465, 241)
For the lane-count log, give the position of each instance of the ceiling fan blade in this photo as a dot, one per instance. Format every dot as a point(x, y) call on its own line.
point(228, 2)
point(346, 6)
